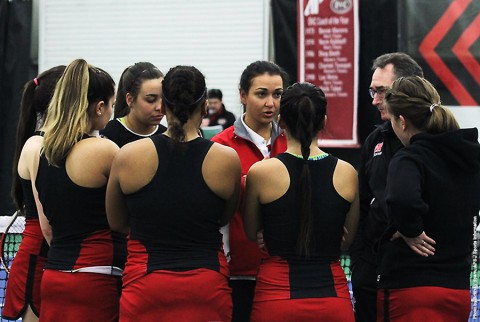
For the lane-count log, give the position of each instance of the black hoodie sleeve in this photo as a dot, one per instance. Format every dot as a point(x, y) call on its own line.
point(405, 204)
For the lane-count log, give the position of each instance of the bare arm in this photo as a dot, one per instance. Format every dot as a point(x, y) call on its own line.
point(351, 224)
point(252, 222)
point(233, 177)
point(221, 171)
point(117, 214)
point(31, 158)
point(345, 180)
point(44, 223)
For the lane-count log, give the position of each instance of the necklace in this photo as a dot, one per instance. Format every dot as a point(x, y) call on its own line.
point(313, 157)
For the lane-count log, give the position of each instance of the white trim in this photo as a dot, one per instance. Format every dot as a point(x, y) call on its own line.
point(141, 135)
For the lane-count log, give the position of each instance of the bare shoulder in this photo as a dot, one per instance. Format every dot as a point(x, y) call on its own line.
point(222, 156)
point(29, 157)
point(264, 169)
point(104, 144)
point(224, 150)
point(346, 168)
point(345, 180)
point(138, 151)
point(32, 145)
point(266, 164)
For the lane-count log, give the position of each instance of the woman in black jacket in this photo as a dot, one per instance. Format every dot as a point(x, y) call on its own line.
point(432, 201)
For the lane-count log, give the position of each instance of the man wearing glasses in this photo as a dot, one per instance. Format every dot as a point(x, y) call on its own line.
point(377, 151)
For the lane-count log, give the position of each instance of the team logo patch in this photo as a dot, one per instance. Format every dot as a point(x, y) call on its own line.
point(378, 149)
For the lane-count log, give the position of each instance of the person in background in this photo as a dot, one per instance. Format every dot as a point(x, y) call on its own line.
point(172, 204)
point(217, 113)
point(85, 260)
point(22, 298)
point(302, 210)
point(255, 136)
point(378, 149)
point(432, 204)
point(137, 106)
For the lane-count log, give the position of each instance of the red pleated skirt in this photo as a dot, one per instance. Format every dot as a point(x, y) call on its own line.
point(79, 297)
point(331, 309)
point(23, 286)
point(196, 295)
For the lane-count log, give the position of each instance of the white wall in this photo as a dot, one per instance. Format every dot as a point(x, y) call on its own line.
point(467, 116)
point(218, 37)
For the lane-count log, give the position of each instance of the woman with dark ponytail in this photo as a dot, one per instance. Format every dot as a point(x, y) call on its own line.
point(23, 292)
point(137, 106)
point(304, 200)
point(172, 205)
point(432, 197)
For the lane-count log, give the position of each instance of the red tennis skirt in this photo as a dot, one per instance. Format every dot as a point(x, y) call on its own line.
point(196, 295)
point(79, 296)
point(423, 304)
point(23, 287)
point(331, 309)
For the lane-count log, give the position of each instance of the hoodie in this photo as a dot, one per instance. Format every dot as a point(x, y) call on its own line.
point(433, 185)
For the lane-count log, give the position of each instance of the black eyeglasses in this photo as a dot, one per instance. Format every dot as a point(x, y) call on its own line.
point(380, 91)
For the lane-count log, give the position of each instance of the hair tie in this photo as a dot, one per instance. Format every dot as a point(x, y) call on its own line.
point(194, 103)
point(432, 107)
point(200, 98)
point(35, 81)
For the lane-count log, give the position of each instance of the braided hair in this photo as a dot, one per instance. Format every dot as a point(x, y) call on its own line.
point(303, 108)
point(184, 91)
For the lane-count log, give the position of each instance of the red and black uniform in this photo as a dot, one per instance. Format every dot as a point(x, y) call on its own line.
point(245, 254)
point(176, 269)
point(23, 288)
point(291, 287)
point(433, 186)
point(118, 132)
point(86, 258)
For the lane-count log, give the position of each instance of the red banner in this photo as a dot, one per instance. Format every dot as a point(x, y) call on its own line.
point(328, 58)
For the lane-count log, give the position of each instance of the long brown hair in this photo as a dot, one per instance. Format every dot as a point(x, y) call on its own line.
point(303, 108)
point(68, 116)
point(36, 96)
point(418, 101)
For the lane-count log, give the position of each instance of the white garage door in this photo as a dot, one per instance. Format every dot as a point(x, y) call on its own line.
point(218, 37)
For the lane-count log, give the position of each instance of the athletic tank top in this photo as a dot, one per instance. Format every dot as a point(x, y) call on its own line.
point(174, 219)
point(281, 217)
point(28, 199)
point(81, 234)
point(284, 274)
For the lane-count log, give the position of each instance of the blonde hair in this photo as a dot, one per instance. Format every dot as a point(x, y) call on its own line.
point(418, 101)
point(68, 116)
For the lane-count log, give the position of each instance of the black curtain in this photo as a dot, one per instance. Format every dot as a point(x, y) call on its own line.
point(378, 35)
point(15, 69)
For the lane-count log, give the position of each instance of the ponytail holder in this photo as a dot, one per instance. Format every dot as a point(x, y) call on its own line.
point(432, 107)
point(35, 80)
